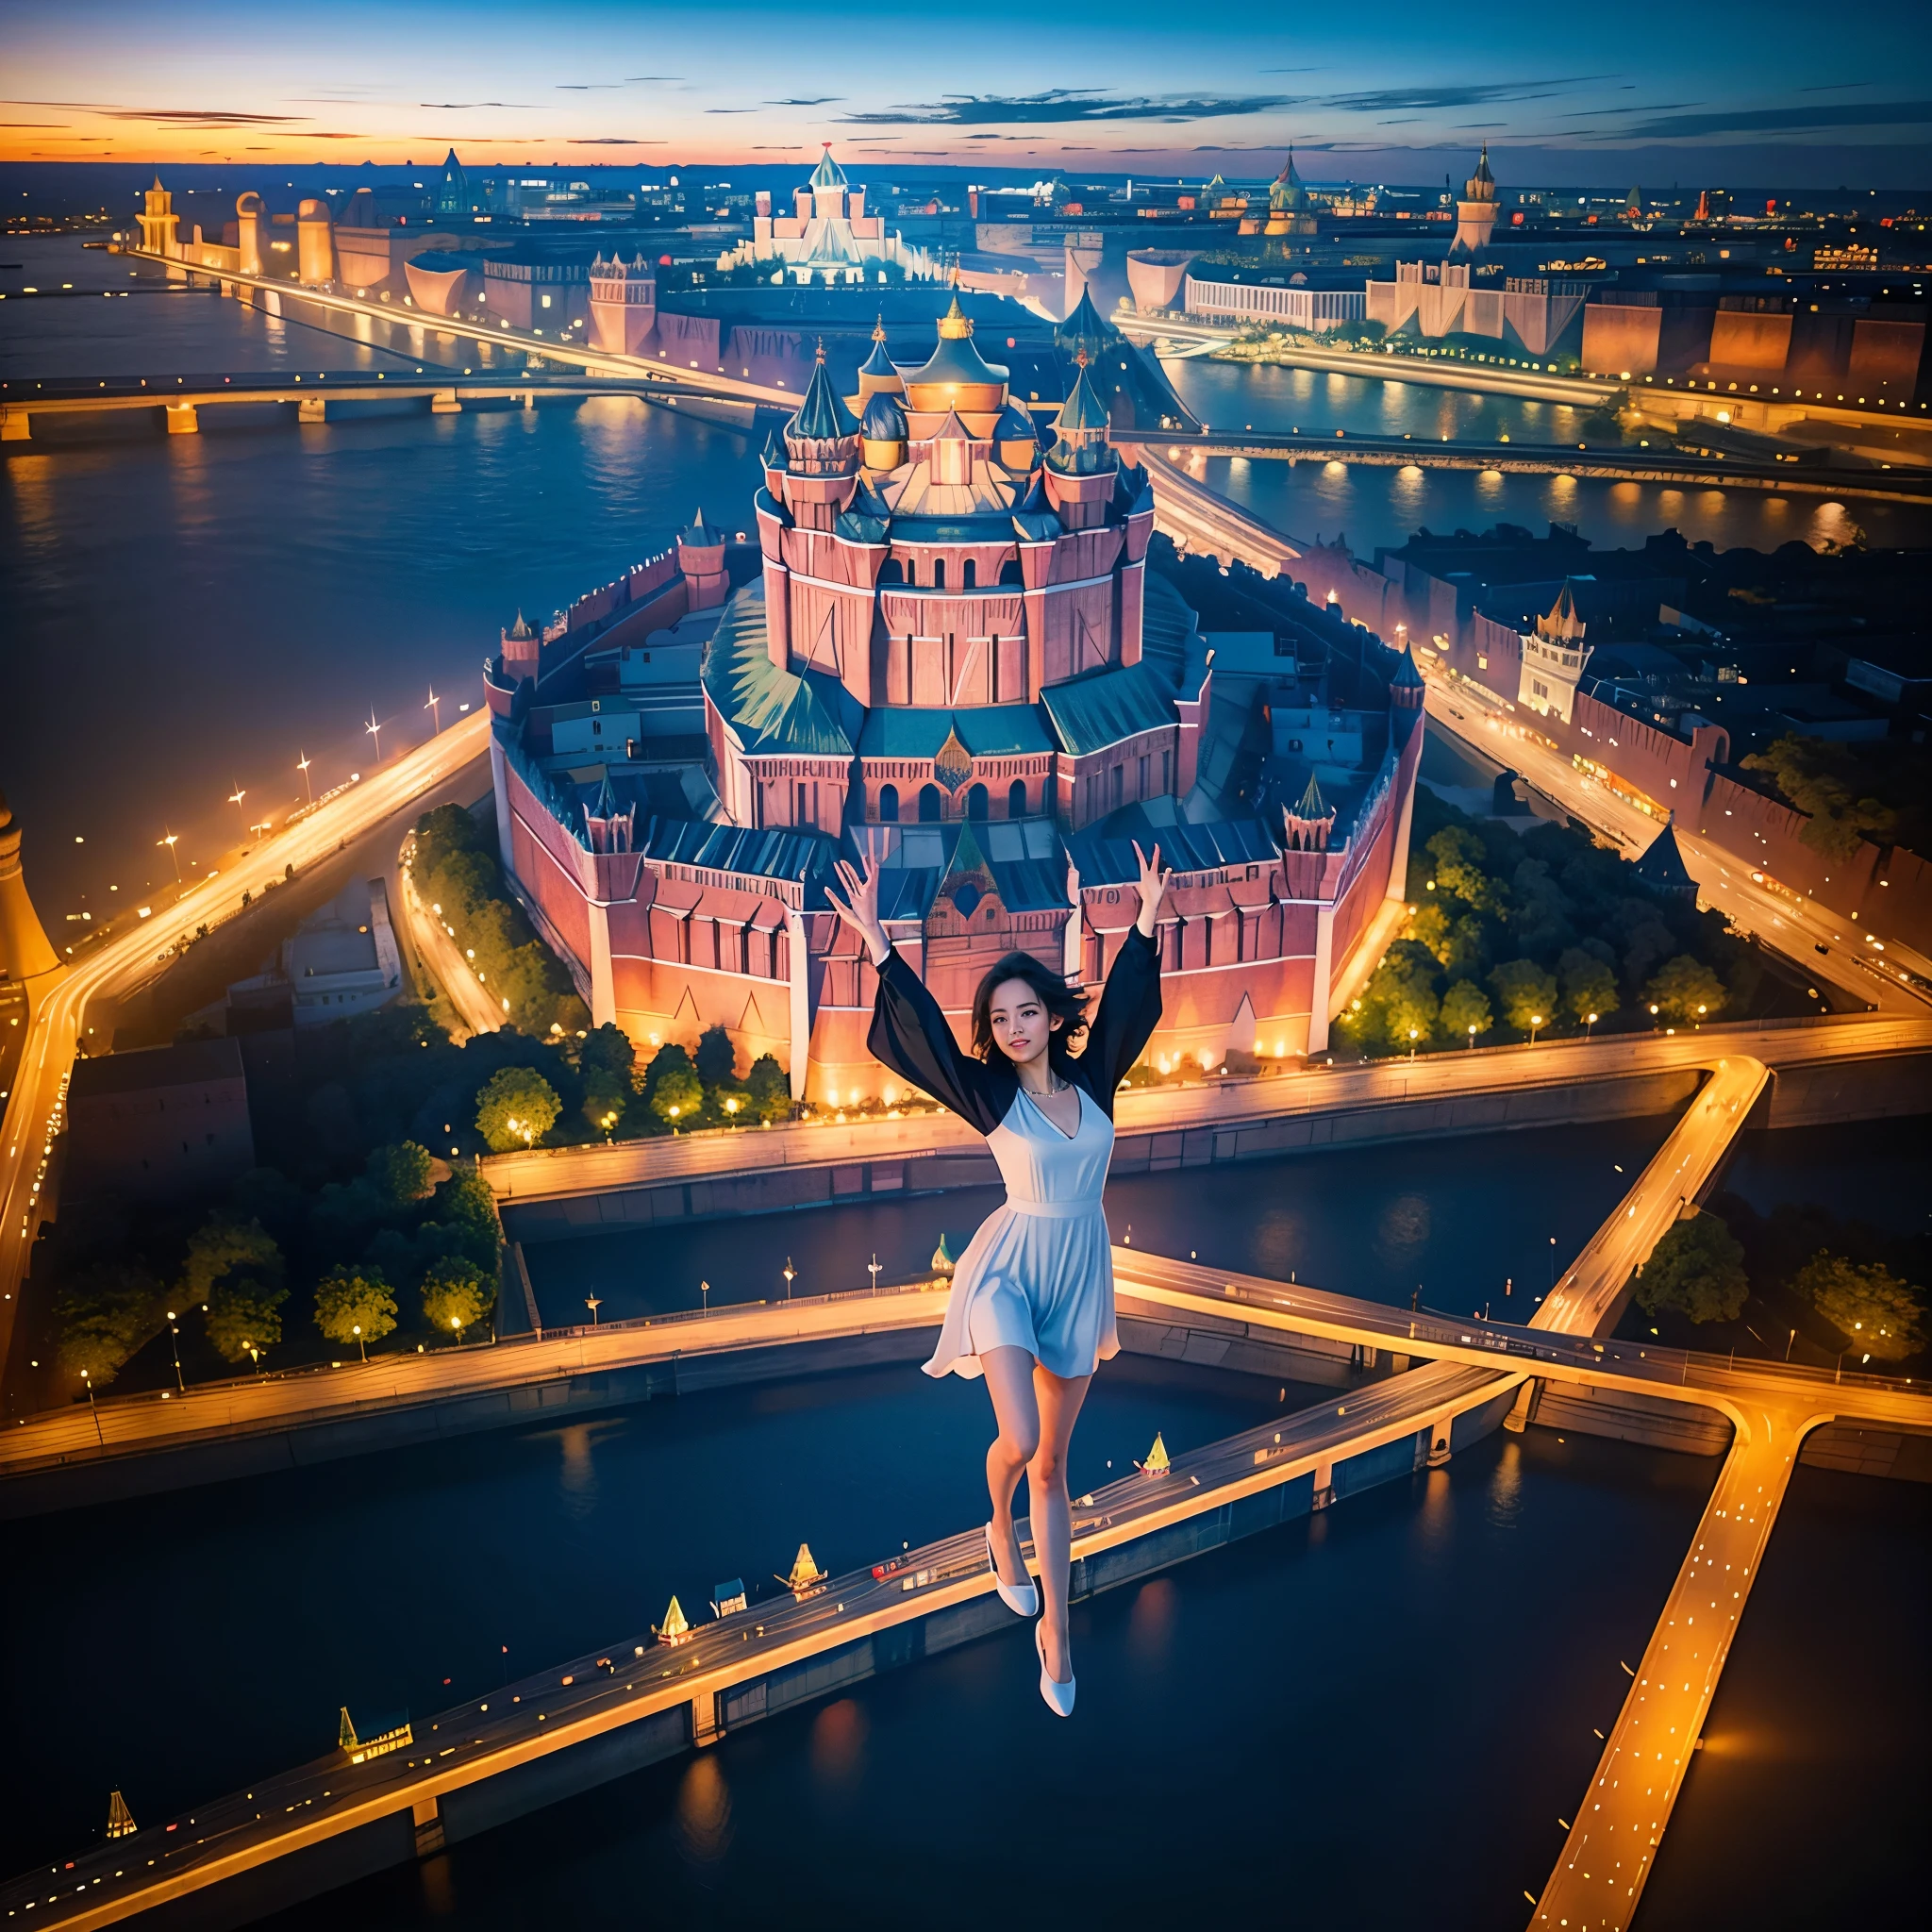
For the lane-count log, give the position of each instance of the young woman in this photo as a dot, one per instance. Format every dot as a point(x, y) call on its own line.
point(1032, 1302)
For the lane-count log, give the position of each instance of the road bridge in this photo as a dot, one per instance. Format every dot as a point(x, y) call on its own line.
point(1794, 474)
point(638, 1700)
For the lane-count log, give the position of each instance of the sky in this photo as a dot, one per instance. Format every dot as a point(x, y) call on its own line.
point(1076, 86)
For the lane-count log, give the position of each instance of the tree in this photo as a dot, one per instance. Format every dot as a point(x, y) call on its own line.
point(1466, 1010)
point(1590, 987)
point(223, 1242)
point(1461, 867)
point(516, 1109)
point(603, 1061)
point(717, 1058)
point(1876, 1312)
point(1685, 991)
point(456, 1296)
point(1525, 993)
point(671, 1087)
point(245, 1316)
point(1401, 996)
point(352, 1299)
point(467, 1209)
point(444, 833)
point(1823, 781)
point(770, 1091)
point(1428, 926)
point(400, 1174)
point(104, 1316)
point(1697, 1270)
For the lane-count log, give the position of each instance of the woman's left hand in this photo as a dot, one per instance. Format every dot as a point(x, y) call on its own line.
point(1153, 884)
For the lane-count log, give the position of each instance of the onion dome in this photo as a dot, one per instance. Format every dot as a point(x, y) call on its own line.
point(956, 376)
point(1082, 449)
point(828, 173)
point(1015, 442)
point(1286, 194)
point(883, 429)
point(878, 364)
point(823, 438)
point(1083, 410)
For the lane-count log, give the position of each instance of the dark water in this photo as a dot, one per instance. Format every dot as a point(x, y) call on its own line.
point(1371, 506)
point(1455, 1217)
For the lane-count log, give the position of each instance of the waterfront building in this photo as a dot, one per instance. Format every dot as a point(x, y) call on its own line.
point(1476, 213)
point(828, 236)
point(165, 1123)
point(1553, 657)
point(953, 644)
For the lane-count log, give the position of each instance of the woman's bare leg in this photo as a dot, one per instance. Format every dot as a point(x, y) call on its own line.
point(1010, 1382)
point(1059, 1399)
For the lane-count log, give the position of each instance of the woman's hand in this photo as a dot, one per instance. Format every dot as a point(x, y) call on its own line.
point(859, 908)
point(1153, 884)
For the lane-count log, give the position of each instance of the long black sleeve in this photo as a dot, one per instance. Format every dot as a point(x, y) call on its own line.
point(910, 1034)
point(1129, 1011)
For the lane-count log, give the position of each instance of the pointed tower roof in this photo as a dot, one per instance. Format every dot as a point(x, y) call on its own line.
point(1312, 806)
point(822, 416)
point(955, 358)
point(1406, 677)
point(1084, 329)
point(1083, 412)
point(520, 628)
point(878, 364)
point(605, 805)
point(773, 456)
point(701, 536)
point(449, 160)
point(952, 429)
point(1662, 868)
point(1564, 620)
point(828, 173)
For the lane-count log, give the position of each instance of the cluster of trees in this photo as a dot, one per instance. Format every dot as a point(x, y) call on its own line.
point(673, 1091)
point(1532, 931)
point(407, 1224)
point(1702, 1271)
point(1851, 792)
point(457, 875)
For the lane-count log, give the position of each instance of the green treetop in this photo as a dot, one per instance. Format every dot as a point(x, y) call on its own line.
point(672, 1088)
point(1466, 1011)
point(1526, 994)
point(1697, 1270)
point(516, 1109)
point(456, 1296)
point(348, 1300)
point(1876, 1312)
point(1685, 991)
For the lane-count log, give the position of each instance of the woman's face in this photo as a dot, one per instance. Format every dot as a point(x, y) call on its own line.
point(1021, 1024)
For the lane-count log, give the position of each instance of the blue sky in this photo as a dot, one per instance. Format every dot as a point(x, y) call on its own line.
point(1083, 85)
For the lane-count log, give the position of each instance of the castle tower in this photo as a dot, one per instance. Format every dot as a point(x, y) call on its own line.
point(521, 651)
point(24, 952)
point(1553, 657)
point(1081, 466)
point(453, 190)
point(624, 303)
point(160, 226)
point(701, 558)
point(1288, 202)
point(315, 243)
point(248, 219)
point(877, 375)
point(1476, 213)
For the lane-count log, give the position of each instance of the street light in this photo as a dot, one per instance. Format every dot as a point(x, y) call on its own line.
point(435, 708)
point(1536, 1020)
point(357, 1332)
point(95, 1406)
point(1589, 1021)
point(374, 731)
point(1413, 1032)
point(1472, 1039)
point(593, 1303)
point(872, 1268)
point(308, 791)
point(235, 798)
point(173, 840)
point(705, 1290)
point(790, 1275)
point(456, 1323)
point(175, 1343)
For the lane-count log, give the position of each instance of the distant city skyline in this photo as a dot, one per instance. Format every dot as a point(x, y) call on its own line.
point(1093, 87)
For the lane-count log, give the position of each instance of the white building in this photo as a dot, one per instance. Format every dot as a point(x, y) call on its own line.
point(828, 236)
point(1553, 656)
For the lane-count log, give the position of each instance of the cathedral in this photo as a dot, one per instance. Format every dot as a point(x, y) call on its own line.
point(949, 638)
point(828, 237)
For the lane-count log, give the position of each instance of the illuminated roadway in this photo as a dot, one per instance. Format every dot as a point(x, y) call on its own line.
point(58, 1001)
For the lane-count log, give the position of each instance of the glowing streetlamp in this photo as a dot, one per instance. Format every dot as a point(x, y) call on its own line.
point(253, 1355)
point(235, 798)
point(1472, 1039)
point(791, 1275)
point(1414, 1033)
point(175, 1343)
point(307, 792)
point(1652, 1014)
point(1536, 1021)
point(456, 1321)
point(435, 708)
point(704, 1295)
point(872, 1268)
point(357, 1332)
point(374, 731)
point(1589, 1021)
point(593, 1303)
point(171, 840)
point(94, 1407)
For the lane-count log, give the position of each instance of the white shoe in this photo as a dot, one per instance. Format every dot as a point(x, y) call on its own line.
point(1059, 1697)
point(1022, 1599)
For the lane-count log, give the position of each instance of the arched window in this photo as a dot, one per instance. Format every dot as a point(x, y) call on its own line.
point(968, 575)
point(939, 573)
point(892, 571)
point(889, 804)
point(976, 803)
point(1016, 799)
point(928, 805)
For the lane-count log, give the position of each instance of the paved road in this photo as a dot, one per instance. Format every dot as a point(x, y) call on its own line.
point(128, 958)
point(440, 956)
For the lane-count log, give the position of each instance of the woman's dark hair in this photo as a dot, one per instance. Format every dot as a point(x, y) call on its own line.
point(1059, 999)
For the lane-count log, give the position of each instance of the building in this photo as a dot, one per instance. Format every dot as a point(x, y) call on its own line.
point(1476, 213)
point(954, 645)
point(166, 1123)
point(828, 236)
point(1553, 656)
point(339, 962)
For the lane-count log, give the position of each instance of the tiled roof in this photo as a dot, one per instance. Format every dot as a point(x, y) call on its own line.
point(773, 853)
point(771, 710)
point(1105, 706)
point(893, 731)
point(1103, 853)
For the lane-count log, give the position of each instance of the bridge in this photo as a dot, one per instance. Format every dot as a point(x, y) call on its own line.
point(640, 1700)
point(1793, 472)
point(310, 396)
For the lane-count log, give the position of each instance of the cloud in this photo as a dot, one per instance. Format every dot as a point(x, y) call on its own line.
point(731, 110)
point(1835, 87)
point(1060, 104)
point(36, 124)
point(612, 141)
point(1783, 120)
point(454, 104)
point(806, 101)
point(202, 117)
point(1476, 94)
point(590, 87)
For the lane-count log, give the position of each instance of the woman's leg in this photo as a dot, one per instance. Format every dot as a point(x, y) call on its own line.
point(1059, 1399)
point(1010, 1381)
